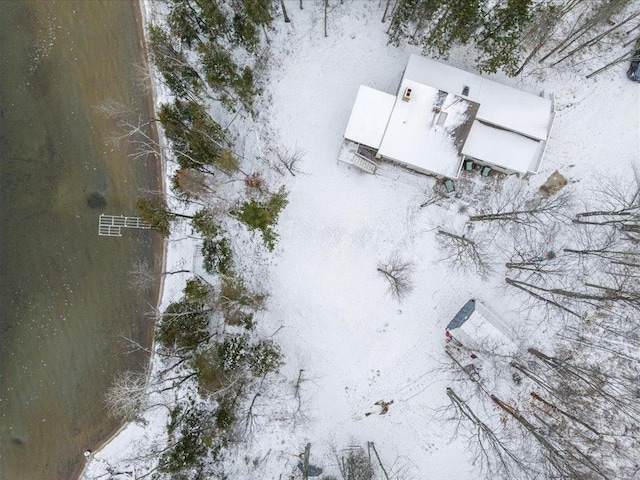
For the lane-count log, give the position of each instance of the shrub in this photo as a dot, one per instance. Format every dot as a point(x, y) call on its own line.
point(263, 215)
point(189, 183)
point(227, 161)
point(265, 357)
point(209, 373)
point(154, 211)
point(235, 298)
point(241, 319)
point(225, 414)
point(218, 256)
point(204, 222)
point(194, 430)
point(254, 181)
point(183, 325)
point(232, 352)
point(196, 290)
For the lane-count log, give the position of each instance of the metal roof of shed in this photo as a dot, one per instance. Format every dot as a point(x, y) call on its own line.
point(463, 315)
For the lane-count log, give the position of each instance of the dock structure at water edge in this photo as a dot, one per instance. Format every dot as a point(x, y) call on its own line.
point(112, 225)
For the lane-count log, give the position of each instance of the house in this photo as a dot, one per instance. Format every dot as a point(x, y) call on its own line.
point(443, 118)
point(478, 328)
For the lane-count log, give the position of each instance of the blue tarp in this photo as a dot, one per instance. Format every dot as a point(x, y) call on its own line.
point(463, 315)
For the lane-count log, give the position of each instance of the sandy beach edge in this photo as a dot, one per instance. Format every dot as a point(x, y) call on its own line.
point(140, 17)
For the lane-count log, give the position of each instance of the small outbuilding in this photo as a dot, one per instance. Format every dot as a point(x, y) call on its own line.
point(478, 328)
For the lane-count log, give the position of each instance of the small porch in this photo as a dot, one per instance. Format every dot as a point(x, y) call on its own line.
point(360, 156)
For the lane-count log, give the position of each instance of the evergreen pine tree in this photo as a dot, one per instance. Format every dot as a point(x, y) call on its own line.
point(500, 38)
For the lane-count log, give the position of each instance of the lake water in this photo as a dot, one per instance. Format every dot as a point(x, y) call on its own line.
point(66, 301)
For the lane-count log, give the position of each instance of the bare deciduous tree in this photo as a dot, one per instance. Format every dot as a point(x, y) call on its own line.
point(299, 415)
point(618, 286)
point(399, 275)
point(286, 160)
point(588, 409)
point(494, 453)
point(617, 206)
point(355, 464)
point(513, 205)
point(465, 252)
point(133, 130)
point(592, 243)
point(142, 276)
point(127, 398)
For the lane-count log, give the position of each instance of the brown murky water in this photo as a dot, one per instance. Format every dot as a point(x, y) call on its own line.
point(66, 302)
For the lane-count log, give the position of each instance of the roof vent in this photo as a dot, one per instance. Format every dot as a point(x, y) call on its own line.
point(465, 91)
point(407, 94)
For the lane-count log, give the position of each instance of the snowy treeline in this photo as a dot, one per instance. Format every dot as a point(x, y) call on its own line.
point(212, 367)
point(508, 35)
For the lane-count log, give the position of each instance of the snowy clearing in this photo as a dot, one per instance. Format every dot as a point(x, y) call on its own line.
point(328, 306)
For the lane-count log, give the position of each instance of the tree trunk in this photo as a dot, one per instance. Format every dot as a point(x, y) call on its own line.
point(513, 215)
point(459, 238)
point(379, 461)
point(386, 10)
point(326, 6)
point(525, 423)
point(533, 53)
point(618, 60)
point(565, 413)
point(527, 287)
point(305, 462)
point(284, 12)
point(595, 39)
point(535, 378)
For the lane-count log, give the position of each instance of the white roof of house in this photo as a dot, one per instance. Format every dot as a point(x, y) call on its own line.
point(504, 106)
point(369, 116)
point(413, 136)
point(443, 77)
point(502, 148)
point(485, 330)
point(413, 132)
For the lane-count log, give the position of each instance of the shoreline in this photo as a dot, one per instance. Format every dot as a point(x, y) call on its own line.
point(139, 14)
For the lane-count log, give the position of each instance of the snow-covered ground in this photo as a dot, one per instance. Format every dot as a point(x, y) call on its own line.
point(331, 310)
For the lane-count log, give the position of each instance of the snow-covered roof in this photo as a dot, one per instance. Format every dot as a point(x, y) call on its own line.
point(369, 117)
point(443, 77)
point(415, 137)
point(502, 147)
point(476, 326)
point(449, 113)
point(522, 112)
point(519, 111)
